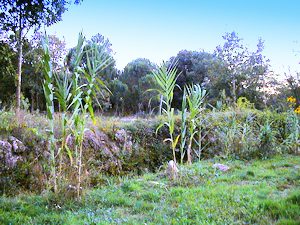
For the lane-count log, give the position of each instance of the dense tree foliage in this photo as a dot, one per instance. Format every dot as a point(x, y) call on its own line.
point(193, 68)
point(230, 72)
point(7, 71)
point(19, 17)
point(135, 77)
point(242, 72)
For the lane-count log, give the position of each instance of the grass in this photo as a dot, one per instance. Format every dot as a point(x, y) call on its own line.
point(255, 192)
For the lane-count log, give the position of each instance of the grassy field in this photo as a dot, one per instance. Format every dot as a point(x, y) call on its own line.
point(255, 192)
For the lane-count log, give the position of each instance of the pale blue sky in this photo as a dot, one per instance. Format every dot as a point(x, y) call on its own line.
point(158, 29)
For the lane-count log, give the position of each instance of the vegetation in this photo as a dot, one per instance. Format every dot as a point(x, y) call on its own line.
point(66, 158)
point(166, 79)
point(22, 16)
point(231, 72)
point(49, 95)
point(259, 192)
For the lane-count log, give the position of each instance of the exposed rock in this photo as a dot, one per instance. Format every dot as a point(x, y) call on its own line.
point(172, 170)
point(17, 145)
point(124, 138)
point(98, 140)
point(99, 150)
point(5, 147)
point(7, 158)
point(221, 167)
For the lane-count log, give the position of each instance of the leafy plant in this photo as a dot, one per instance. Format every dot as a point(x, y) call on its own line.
point(204, 127)
point(183, 128)
point(75, 96)
point(63, 96)
point(49, 95)
point(166, 79)
point(292, 141)
point(96, 62)
point(267, 137)
point(83, 95)
point(227, 133)
point(245, 136)
point(195, 99)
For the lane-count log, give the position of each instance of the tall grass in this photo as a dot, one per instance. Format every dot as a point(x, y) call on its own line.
point(77, 96)
point(49, 95)
point(292, 142)
point(166, 77)
point(183, 127)
point(63, 96)
point(97, 60)
point(195, 99)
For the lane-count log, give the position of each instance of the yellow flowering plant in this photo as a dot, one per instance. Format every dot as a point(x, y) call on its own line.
point(293, 126)
point(293, 101)
point(297, 110)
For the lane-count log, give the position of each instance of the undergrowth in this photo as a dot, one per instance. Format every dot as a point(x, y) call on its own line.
point(253, 192)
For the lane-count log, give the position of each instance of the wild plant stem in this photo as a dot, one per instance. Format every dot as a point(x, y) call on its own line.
point(199, 144)
point(79, 170)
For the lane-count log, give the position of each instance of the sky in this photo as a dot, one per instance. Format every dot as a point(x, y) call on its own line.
point(159, 29)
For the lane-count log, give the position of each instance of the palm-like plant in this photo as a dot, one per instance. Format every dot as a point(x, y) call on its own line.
point(195, 99)
point(63, 96)
point(49, 94)
point(73, 96)
point(183, 128)
point(166, 79)
point(96, 62)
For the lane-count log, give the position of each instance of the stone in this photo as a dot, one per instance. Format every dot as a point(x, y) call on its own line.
point(124, 138)
point(98, 147)
point(172, 170)
point(221, 167)
point(6, 155)
point(5, 147)
point(17, 145)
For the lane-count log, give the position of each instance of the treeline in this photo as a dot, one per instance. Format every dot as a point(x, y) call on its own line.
point(230, 72)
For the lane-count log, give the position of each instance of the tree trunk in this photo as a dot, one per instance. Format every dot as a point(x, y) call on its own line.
point(234, 92)
point(32, 102)
point(37, 101)
point(264, 91)
point(19, 75)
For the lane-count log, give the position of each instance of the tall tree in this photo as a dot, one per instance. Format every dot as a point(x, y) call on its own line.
point(194, 68)
point(7, 68)
point(21, 16)
point(241, 72)
point(119, 90)
point(132, 76)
